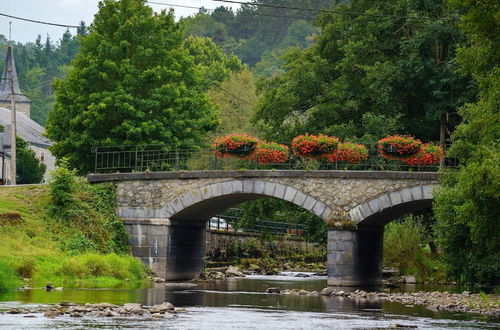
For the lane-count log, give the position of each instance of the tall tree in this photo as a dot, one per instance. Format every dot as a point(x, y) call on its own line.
point(467, 206)
point(390, 67)
point(132, 82)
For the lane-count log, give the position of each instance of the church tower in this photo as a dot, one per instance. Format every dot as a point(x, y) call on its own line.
point(9, 75)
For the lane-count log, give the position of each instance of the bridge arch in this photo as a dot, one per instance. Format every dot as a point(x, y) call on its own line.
point(382, 209)
point(204, 202)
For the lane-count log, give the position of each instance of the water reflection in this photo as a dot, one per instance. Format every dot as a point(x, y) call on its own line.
point(235, 296)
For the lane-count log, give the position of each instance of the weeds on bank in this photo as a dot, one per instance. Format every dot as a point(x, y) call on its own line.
point(66, 234)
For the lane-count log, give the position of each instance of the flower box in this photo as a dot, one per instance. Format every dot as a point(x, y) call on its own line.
point(347, 152)
point(312, 146)
point(235, 145)
point(428, 155)
point(398, 147)
point(270, 152)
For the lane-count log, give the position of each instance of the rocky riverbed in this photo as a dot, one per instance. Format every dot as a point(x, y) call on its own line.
point(159, 311)
point(436, 301)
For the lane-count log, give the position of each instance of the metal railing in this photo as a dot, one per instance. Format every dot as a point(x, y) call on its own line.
point(234, 223)
point(155, 158)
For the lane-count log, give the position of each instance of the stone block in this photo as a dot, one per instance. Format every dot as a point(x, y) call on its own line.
point(395, 197)
point(137, 240)
point(406, 195)
point(191, 198)
point(141, 251)
point(309, 203)
point(177, 205)
point(279, 192)
point(237, 186)
point(248, 186)
point(299, 198)
point(290, 194)
point(258, 187)
point(269, 188)
point(365, 210)
point(216, 189)
point(206, 192)
point(427, 191)
point(227, 187)
point(156, 251)
point(318, 209)
point(326, 213)
point(385, 201)
point(417, 193)
point(375, 205)
point(355, 215)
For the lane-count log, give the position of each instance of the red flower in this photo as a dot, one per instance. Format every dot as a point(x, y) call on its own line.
point(312, 146)
point(398, 147)
point(238, 145)
point(270, 152)
point(348, 152)
point(428, 155)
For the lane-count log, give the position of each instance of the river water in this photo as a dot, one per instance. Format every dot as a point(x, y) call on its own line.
point(235, 303)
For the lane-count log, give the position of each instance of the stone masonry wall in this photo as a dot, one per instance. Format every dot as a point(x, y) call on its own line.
point(336, 193)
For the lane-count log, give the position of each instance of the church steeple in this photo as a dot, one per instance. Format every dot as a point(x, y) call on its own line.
point(10, 74)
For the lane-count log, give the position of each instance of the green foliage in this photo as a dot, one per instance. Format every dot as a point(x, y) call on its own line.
point(467, 206)
point(9, 279)
point(235, 112)
point(62, 189)
point(87, 213)
point(132, 82)
point(28, 168)
point(215, 65)
point(273, 209)
point(44, 248)
point(400, 69)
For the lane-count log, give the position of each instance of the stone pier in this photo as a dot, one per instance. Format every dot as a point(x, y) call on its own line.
point(173, 250)
point(355, 256)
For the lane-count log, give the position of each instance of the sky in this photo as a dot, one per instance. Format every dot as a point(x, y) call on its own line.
point(70, 12)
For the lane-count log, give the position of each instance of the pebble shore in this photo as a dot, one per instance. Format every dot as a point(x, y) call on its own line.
point(436, 301)
point(159, 311)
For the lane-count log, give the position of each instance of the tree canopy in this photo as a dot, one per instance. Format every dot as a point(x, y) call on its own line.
point(132, 82)
point(467, 206)
point(393, 68)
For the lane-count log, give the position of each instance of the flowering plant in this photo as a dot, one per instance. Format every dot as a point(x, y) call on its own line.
point(398, 147)
point(313, 146)
point(428, 155)
point(270, 152)
point(239, 145)
point(348, 152)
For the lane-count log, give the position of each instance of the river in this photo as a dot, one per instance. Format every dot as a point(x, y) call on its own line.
point(234, 303)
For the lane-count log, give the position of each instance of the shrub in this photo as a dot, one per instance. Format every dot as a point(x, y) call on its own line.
point(397, 147)
point(9, 279)
point(28, 168)
point(349, 153)
point(428, 155)
point(62, 189)
point(271, 152)
point(236, 145)
point(312, 146)
point(403, 247)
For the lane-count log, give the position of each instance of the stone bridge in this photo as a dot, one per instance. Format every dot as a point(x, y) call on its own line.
point(166, 212)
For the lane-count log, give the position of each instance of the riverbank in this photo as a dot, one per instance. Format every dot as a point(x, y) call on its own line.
point(73, 244)
point(488, 305)
point(96, 310)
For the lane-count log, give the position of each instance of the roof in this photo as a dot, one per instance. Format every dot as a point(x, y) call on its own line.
point(10, 74)
point(27, 129)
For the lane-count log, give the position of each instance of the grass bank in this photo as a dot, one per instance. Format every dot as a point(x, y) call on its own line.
point(66, 234)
